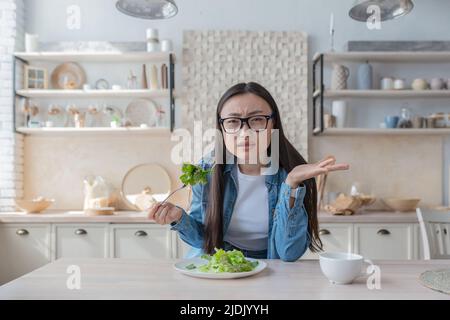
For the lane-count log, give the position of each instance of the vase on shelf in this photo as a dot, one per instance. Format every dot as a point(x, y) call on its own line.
point(364, 76)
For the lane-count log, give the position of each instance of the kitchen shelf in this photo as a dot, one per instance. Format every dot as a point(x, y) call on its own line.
point(98, 57)
point(386, 56)
point(158, 131)
point(320, 93)
point(37, 93)
point(374, 131)
point(384, 93)
point(108, 56)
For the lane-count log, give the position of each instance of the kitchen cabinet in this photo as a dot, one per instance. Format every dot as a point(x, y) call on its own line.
point(141, 241)
point(335, 237)
point(23, 248)
point(385, 241)
point(81, 241)
point(395, 241)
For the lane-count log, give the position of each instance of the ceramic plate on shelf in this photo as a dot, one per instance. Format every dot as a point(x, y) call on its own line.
point(69, 75)
point(182, 267)
point(142, 111)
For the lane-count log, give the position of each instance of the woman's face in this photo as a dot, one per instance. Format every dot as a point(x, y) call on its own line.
point(247, 144)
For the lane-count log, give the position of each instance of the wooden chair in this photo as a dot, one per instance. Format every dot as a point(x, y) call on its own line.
point(435, 231)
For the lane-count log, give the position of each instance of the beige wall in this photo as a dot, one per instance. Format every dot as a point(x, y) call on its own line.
point(385, 165)
point(55, 166)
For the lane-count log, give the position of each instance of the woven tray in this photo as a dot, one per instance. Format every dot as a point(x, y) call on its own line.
point(438, 280)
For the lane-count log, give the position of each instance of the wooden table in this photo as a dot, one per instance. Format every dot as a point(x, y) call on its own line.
point(149, 279)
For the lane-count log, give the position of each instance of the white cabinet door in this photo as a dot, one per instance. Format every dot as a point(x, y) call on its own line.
point(81, 241)
point(23, 248)
point(385, 241)
point(335, 238)
point(141, 241)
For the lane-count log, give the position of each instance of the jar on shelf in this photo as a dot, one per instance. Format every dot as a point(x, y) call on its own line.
point(152, 40)
point(405, 119)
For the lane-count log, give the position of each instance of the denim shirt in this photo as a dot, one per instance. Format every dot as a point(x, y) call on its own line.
point(288, 236)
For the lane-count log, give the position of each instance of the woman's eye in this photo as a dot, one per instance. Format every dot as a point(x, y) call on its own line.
point(231, 121)
point(258, 120)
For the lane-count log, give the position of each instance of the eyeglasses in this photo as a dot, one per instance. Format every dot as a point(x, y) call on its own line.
point(255, 123)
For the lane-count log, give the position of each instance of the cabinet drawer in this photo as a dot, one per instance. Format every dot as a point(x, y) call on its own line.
point(141, 241)
point(387, 241)
point(335, 238)
point(23, 248)
point(81, 241)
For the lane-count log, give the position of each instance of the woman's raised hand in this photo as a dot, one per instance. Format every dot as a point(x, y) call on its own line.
point(307, 171)
point(164, 213)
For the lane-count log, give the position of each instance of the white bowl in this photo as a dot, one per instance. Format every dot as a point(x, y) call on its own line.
point(341, 267)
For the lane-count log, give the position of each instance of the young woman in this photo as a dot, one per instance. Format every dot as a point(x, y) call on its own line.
point(270, 216)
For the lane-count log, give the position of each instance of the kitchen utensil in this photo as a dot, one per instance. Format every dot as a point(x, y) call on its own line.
point(405, 119)
point(419, 122)
point(430, 122)
point(387, 83)
point(148, 9)
point(388, 9)
point(102, 84)
point(166, 45)
point(399, 84)
point(144, 77)
point(339, 77)
point(391, 121)
point(329, 121)
point(111, 114)
point(339, 111)
point(342, 267)
point(419, 84)
point(97, 193)
point(182, 267)
point(69, 75)
point(439, 120)
point(36, 205)
point(141, 111)
point(56, 115)
point(132, 81)
point(154, 85)
point(142, 178)
point(401, 204)
point(31, 42)
point(94, 116)
point(79, 119)
point(152, 40)
point(164, 77)
point(364, 76)
point(437, 84)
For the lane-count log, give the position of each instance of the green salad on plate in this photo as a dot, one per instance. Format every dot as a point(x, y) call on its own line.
point(225, 261)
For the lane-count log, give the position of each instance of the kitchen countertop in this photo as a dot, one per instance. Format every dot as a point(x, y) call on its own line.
point(157, 279)
point(60, 216)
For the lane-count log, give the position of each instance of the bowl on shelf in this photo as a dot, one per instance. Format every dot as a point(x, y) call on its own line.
point(36, 205)
point(401, 204)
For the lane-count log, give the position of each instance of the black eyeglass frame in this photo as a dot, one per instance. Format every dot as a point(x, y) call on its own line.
point(246, 120)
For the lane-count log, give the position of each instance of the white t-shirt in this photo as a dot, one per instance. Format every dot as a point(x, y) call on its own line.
point(249, 225)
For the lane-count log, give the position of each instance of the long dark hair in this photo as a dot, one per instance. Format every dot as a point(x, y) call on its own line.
point(289, 158)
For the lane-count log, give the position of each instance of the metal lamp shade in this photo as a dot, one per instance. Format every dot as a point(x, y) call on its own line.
point(389, 9)
point(148, 9)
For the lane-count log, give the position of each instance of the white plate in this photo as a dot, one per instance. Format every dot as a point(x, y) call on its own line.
point(142, 111)
point(181, 267)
